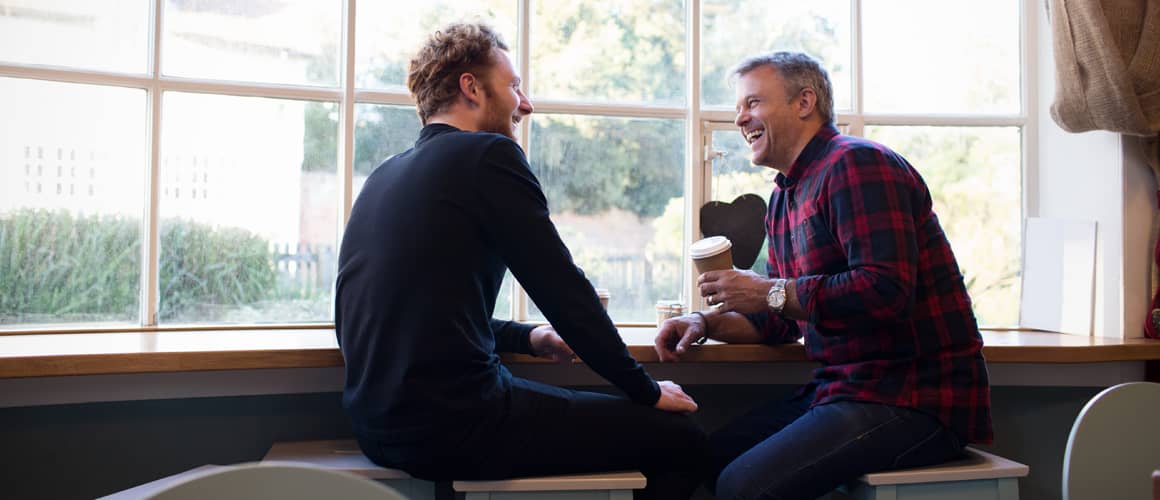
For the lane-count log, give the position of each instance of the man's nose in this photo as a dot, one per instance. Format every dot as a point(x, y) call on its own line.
point(526, 104)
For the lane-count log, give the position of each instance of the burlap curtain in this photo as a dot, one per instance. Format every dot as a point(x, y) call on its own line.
point(1107, 67)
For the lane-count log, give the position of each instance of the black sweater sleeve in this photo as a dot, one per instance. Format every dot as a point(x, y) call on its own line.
point(515, 212)
point(511, 336)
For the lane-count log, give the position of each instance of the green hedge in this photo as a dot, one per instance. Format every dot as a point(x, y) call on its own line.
point(55, 266)
point(201, 265)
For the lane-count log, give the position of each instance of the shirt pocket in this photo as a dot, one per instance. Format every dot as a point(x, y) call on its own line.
point(816, 250)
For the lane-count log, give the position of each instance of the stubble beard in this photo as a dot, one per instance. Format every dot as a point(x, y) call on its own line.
point(496, 120)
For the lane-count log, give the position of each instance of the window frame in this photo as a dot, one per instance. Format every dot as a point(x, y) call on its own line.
point(699, 121)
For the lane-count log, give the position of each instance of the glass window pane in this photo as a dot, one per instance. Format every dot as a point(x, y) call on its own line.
point(248, 219)
point(384, 49)
point(615, 191)
point(72, 190)
point(968, 65)
point(503, 303)
point(108, 35)
point(734, 175)
point(975, 178)
point(608, 50)
point(287, 42)
point(380, 132)
point(732, 30)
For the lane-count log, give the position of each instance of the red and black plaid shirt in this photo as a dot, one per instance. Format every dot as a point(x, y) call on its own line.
point(889, 315)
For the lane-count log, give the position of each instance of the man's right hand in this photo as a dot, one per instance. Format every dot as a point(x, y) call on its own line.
point(674, 399)
point(676, 334)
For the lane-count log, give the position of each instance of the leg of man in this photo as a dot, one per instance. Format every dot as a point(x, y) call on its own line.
point(548, 430)
point(745, 432)
point(551, 430)
point(832, 444)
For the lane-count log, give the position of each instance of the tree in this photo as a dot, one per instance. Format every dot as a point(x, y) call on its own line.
point(974, 179)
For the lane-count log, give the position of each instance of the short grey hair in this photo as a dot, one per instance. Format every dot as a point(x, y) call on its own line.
point(800, 71)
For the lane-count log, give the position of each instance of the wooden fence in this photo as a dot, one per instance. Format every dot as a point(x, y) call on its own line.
point(306, 267)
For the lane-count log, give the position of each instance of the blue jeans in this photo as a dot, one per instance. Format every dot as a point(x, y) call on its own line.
point(787, 450)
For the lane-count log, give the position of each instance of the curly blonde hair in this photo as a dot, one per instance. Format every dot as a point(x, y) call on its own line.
point(433, 75)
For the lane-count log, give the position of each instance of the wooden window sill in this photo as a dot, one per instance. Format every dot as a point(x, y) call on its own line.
point(161, 351)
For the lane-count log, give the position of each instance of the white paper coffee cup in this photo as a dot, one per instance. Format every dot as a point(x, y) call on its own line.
point(712, 254)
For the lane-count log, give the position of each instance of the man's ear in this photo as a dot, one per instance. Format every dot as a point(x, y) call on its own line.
point(807, 101)
point(469, 88)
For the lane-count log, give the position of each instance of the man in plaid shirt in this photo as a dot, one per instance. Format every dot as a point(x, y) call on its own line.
point(860, 267)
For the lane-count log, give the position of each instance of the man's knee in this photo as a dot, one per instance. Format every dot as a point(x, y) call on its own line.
point(738, 482)
point(677, 442)
point(678, 427)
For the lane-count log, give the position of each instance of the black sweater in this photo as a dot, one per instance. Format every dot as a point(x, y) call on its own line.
point(421, 264)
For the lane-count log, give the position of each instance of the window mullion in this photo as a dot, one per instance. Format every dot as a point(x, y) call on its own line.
point(857, 121)
point(937, 120)
point(346, 134)
point(695, 178)
point(615, 109)
point(519, 298)
point(1029, 70)
point(150, 231)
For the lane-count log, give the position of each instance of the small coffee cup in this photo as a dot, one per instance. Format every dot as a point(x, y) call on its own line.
point(603, 295)
point(668, 309)
point(712, 254)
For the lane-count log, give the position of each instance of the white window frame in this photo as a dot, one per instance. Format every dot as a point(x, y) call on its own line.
point(698, 120)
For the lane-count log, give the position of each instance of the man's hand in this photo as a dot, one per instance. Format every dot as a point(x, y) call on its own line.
point(546, 343)
point(741, 291)
point(674, 399)
point(676, 334)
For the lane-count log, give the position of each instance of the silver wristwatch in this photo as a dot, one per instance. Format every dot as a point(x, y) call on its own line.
point(776, 296)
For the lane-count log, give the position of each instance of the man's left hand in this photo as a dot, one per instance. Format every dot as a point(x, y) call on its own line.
point(546, 343)
point(741, 291)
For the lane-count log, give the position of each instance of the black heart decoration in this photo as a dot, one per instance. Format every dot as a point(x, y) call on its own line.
point(742, 221)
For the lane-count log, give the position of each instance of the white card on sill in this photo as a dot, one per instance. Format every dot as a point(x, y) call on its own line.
point(1059, 262)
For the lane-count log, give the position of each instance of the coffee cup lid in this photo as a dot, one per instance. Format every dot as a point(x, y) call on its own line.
point(709, 247)
point(602, 292)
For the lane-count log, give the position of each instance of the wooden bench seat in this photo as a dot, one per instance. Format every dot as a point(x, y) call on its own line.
point(978, 476)
point(345, 455)
point(596, 486)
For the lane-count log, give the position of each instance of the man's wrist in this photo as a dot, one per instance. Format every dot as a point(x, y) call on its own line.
point(778, 295)
point(531, 336)
point(704, 321)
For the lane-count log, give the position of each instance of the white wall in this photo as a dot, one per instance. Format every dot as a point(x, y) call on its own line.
point(1140, 220)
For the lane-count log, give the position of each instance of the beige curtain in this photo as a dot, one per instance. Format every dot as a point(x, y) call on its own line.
point(1107, 67)
point(1107, 60)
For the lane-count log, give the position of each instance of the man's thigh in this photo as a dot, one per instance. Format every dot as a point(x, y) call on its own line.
point(555, 430)
point(757, 425)
point(833, 444)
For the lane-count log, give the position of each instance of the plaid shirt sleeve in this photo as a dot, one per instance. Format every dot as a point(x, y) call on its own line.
point(866, 197)
point(775, 329)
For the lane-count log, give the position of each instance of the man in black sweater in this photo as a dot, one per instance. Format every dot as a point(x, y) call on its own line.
point(422, 260)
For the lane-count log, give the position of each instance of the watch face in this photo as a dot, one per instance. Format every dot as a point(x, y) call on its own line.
point(776, 296)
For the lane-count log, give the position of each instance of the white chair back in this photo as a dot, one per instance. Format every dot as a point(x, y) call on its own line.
point(283, 481)
point(1114, 445)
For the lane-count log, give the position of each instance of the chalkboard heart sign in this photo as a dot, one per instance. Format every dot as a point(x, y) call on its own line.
point(742, 221)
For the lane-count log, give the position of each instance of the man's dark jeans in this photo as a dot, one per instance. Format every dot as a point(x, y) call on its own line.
point(787, 450)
